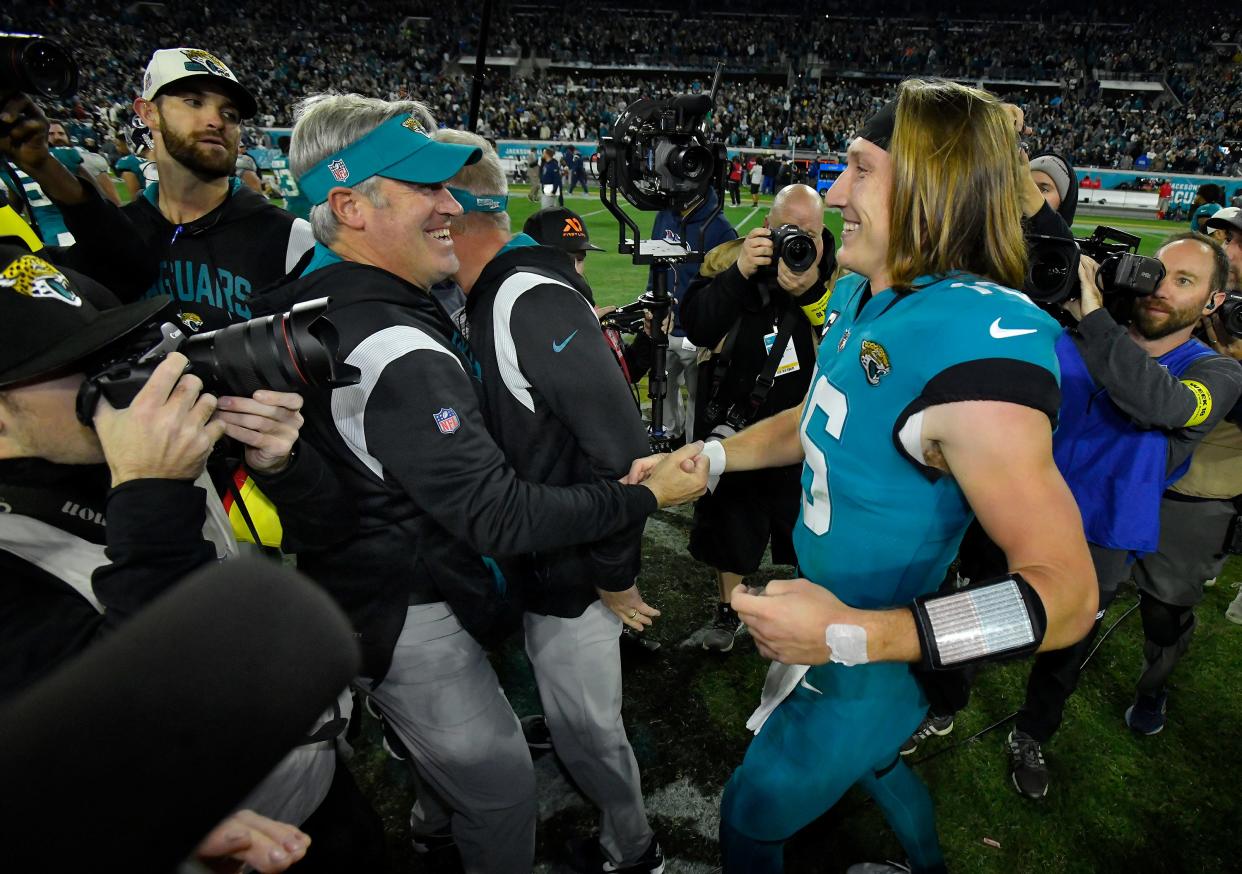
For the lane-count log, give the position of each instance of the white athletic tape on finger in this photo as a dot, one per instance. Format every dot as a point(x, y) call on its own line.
point(714, 451)
point(847, 644)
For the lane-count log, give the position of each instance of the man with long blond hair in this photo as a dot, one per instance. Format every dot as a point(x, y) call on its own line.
point(933, 399)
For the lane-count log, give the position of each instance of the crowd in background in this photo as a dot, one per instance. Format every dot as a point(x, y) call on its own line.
point(286, 49)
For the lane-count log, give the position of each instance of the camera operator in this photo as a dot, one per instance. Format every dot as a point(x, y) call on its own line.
point(1052, 214)
point(682, 364)
point(432, 489)
point(561, 412)
point(762, 318)
point(1164, 391)
point(208, 241)
point(1197, 525)
point(895, 462)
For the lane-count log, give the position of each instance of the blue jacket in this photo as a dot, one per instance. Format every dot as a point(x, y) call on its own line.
point(550, 174)
point(667, 226)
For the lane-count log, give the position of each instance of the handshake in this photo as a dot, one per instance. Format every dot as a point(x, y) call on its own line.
point(674, 477)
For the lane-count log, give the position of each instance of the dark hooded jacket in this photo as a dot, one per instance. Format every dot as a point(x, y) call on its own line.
point(1058, 222)
point(210, 266)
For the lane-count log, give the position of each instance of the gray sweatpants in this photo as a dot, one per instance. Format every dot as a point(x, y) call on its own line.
point(577, 666)
point(442, 698)
point(1192, 536)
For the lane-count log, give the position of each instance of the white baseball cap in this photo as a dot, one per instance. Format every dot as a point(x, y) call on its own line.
point(172, 65)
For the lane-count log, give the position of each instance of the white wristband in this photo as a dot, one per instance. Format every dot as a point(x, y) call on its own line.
point(847, 644)
point(714, 451)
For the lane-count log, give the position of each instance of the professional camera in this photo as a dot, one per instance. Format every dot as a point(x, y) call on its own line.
point(36, 65)
point(1052, 271)
point(1230, 312)
point(659, 156)
point(282, 352)
point(627, 319)
point(794, 246)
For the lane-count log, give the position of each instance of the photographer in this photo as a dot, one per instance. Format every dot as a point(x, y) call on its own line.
point(433, 490)
point(206, 240)
point(1135, 402)
point(762, 318)
point(895, 462)
point(682, 361)
point(1198, 528)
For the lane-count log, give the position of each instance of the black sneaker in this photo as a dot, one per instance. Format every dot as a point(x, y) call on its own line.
point(434, 842)
point(1146, 714)
point(586, 857)
point(1027, 767)
point(535, 730)
point(932, 725)
point(719, 634)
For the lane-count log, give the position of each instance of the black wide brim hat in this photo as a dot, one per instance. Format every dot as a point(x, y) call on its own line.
point(46, 325)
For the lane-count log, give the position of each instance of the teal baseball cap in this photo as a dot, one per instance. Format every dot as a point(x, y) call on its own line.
point(400, 148)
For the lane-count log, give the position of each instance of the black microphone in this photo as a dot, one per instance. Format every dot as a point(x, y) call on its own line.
point(137, 748)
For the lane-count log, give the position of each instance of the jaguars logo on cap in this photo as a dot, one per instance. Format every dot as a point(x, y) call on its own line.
point(206, 61)
point(411, 123)
point(874, 360)
point(34, 277)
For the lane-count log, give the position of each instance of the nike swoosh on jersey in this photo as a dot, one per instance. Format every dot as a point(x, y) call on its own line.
point(557, 347)
point(1001, 333)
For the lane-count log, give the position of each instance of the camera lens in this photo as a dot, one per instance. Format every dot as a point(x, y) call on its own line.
point(690, 162)
point(34, 64)
point(798, 253)
point(283, 352)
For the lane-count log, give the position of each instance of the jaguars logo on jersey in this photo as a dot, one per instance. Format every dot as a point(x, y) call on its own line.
point(192, 321)
point(34, 277)
point(874, 360)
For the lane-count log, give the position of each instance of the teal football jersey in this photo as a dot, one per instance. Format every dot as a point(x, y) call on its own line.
point(295, 200)
point(877, 526)
point(52, 229)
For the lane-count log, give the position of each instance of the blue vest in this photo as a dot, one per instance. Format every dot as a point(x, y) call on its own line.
point(1115, 469)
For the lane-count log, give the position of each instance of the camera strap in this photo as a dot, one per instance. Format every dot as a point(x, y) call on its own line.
point(767, 376)
point(722, 359)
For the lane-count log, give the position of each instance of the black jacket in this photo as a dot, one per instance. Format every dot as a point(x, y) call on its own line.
point(559, 408)
point(62, 525)
point(432, 489)
point(720, 298)
point(210, 267)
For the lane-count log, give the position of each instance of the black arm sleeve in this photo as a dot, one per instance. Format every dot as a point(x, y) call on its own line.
point(315, 510)
point(1146, 391)
point(1049, 223)
point(460, 477)
point(108, 247)
point(155, 537)
point(583, 389)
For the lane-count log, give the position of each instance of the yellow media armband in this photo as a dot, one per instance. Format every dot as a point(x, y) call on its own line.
point(815, 312)
point(1203, 403)
point(13, 225)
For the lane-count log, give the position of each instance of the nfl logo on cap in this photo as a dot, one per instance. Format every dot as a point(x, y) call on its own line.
point(339, 171)
point(446, 420)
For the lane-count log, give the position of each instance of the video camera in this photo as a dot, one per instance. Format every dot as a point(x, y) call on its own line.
point(661, 156)
point(36, 65)
point(627, 319)
point(1052, 272)
point(283, 352)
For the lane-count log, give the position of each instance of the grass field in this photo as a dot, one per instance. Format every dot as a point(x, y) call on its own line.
point(1118, 803)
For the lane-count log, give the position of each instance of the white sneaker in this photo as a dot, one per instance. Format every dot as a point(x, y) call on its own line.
point(1234, 611)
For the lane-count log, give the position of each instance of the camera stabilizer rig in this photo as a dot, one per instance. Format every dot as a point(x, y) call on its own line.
point(660, 156)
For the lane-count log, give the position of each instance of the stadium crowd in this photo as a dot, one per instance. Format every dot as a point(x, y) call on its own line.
point(369, 49)
point(446, 478)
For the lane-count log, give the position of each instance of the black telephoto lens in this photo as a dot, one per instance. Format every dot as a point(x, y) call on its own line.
point(36, 65)
point(283, 352)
